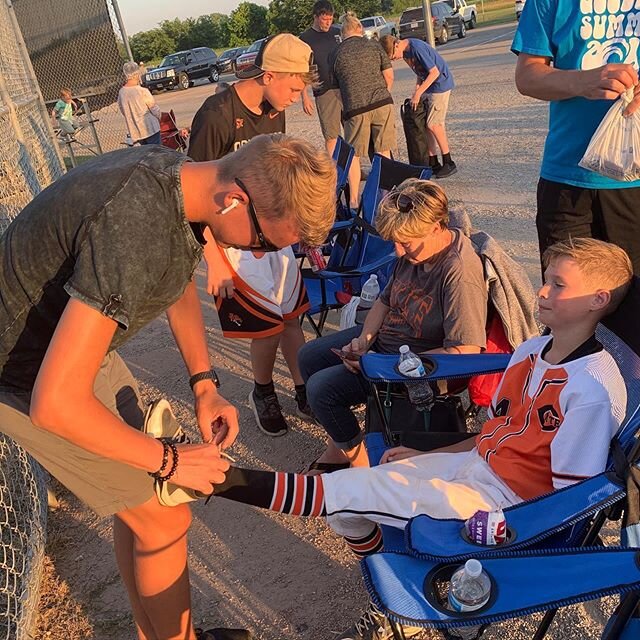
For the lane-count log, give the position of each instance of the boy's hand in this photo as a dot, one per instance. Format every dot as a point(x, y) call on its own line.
point(307, 105)
point(607, 82)
point(217, 418)
point(200, 466)
point(220, 280)
point(399, 453)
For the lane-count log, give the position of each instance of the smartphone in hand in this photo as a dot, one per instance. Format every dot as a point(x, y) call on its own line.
point(345, 355)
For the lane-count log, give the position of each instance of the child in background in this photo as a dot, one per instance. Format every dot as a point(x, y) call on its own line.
point(63, 111)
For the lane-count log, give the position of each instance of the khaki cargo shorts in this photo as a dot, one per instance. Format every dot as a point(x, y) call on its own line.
point(104, 485)
point(437, 107)
point(378, 125)
point(329, 106)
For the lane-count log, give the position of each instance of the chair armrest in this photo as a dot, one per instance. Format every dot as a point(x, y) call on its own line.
point(381, 367)
point(364, 270)
point(528, 523)
point(402, 587)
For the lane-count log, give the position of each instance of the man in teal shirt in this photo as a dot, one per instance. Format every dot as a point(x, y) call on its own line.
point(594, 50)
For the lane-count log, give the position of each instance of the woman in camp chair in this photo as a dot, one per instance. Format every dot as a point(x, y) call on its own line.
point(435, 301)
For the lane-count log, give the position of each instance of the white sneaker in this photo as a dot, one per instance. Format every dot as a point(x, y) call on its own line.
point(160, 423)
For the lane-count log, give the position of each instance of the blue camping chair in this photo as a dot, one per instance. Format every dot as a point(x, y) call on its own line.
point(358, 251)
point(549, 559)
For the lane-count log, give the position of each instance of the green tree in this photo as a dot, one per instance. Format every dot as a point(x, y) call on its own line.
point(247, 22)
point(289, 16)
point(149, 45)
point(179, 31)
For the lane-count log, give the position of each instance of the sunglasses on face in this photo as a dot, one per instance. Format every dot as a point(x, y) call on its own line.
point(263, 244)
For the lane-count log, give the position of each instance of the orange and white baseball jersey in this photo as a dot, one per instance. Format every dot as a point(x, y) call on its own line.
point(551, 425)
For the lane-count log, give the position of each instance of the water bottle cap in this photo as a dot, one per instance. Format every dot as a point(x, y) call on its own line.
point(404, 348)
point(373, 277)
point(473, 567)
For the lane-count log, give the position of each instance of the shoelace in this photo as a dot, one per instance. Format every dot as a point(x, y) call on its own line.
point(271, 405)
point(370, 619)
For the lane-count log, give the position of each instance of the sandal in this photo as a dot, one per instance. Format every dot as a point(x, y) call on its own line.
point(327, 467)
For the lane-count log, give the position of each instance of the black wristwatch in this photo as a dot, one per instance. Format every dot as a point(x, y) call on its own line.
point(204, 375)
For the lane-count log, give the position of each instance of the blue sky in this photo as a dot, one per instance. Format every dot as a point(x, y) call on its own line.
point(141, 16)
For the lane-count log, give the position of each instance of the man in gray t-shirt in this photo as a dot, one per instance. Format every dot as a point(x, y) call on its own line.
point(363, 73)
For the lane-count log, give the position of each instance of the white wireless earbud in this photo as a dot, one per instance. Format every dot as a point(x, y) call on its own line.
point(233, 205)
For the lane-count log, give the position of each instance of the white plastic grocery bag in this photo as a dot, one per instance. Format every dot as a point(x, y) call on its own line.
point(614, 150)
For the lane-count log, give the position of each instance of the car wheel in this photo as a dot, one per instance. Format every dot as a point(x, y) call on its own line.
point(374, 36)
point(214, 76)
point(393, 32)
point(473, 21)
point(463, 31)
point(444, 36)
point(183, 81)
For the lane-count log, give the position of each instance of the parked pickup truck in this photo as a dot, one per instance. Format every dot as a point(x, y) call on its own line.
point(468, 12)
point(376, 26)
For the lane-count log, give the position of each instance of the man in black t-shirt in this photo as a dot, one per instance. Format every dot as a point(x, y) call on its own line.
point(324, 37)
point(259, 297)
point(89, 262)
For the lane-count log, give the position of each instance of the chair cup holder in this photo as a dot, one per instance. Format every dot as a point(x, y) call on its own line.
point(429, 368)
point(510, 539)
point(436, 591)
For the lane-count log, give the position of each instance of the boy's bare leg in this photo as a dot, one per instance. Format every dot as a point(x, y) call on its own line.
point(432, 144)
point(263, 357)
point(123, 547)
point(291, 340)
point(354, 182)
point(439, 132)
point(159, 576)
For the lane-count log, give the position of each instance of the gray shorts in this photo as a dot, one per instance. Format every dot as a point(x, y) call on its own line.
point(104, 485)
point(437, 106)
point(378, 125)
point(329, 106)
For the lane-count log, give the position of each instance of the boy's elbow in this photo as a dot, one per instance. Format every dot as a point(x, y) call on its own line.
point(46, 409)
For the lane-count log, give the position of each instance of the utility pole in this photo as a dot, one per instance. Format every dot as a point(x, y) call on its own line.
point(123, 31)
point(428, 22)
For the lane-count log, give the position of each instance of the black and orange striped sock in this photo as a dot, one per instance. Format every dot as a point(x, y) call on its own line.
point(290, 493)
point(367, 545)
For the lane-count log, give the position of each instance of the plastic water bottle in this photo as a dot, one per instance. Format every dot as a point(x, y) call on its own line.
point(470, 589)
point(368, 295)
point(420, 393)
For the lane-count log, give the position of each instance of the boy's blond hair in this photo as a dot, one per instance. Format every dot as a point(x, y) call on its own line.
point(65, 92)
point(408, 211)
point(310, 78)
point(602, 264)
point(350, 24)
point(286, 176)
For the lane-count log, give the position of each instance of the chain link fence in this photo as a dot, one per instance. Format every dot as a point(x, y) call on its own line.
point(23, 518)
point(78, 45)
point(28, 162)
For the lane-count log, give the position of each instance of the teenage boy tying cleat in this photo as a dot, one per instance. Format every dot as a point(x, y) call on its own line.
point(559, 404)
point(88, 263)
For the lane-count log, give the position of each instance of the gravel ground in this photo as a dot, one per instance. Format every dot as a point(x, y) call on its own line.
point(288, 578)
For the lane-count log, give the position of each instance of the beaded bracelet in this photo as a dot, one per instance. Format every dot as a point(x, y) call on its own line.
point(165, 460)
point(174, 466)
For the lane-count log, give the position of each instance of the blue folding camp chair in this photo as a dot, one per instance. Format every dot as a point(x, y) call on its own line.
point(549, 559)
point(360, 251)
point(343, 156)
